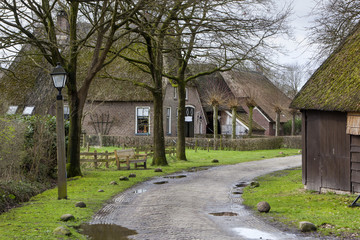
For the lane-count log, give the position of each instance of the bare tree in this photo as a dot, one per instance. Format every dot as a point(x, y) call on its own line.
point(233, 103)
point(216, 95)
point(91, 27)
point(333, 22)
point(290, 80)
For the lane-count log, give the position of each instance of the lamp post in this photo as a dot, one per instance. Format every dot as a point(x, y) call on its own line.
point(59, 76)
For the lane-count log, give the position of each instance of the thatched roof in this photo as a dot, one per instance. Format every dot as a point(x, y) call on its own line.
point(244, 118)
point(261, 90)
point(335, 85)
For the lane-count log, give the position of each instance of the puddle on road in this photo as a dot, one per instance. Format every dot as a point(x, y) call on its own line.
point(253, 233)
point(230, 214)
point(237, 193)
point(161, 182)
point(242, 184)
point(106, 232)
point(197, 169)
point(139, 191)
point(177, 176)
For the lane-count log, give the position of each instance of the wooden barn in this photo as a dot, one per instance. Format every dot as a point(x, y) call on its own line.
point(330, 108)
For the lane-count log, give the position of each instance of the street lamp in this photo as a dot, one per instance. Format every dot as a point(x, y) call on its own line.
point(59, 76)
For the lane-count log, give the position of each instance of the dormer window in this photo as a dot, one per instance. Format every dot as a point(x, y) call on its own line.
point(12, 110)
point(28, 110)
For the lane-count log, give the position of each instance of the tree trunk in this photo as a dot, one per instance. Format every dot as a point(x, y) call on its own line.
point(180, 147)
point(215, 122)
point(73, 158)
point(251, 110)
point(293, 124)
point(159, 158)
point(277, 127)
point(233, 122)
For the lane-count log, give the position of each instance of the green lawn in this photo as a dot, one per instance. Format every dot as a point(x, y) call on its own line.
point(38, 218)
point(291, 204)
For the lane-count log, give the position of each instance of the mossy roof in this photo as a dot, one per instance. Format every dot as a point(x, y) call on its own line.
point(265, 94)
point(335, 85)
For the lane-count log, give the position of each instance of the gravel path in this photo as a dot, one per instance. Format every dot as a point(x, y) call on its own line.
point(181, 208)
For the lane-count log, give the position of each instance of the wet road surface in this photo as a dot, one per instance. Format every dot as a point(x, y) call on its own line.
point(203, 205)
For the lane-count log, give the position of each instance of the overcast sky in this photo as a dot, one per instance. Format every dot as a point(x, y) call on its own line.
point(298, 50)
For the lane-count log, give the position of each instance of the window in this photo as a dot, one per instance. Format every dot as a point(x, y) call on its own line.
point(12, 110)
point(143, 120)
point(186, 94)
point(168, 120)
point(175, 92)
point(28, 110)
point(66, 112)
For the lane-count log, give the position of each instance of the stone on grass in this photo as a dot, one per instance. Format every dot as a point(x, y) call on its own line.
point(113, 183)
point(80, 205)
point(132, 175)
point(254, 184)
point(281, 153)
point(158, 170)
point(62, 231)
point(67, 217)
point(215, 161)
point(307, 226)
point(100, 190)
point(123, 178)
point(263, 207)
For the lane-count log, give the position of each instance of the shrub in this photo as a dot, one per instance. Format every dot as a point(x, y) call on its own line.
point(287, 127)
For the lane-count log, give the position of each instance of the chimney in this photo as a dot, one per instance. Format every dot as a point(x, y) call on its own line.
point(63, 27)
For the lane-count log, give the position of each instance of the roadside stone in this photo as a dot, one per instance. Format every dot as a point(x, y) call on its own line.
point(158, 170)
point(80, 205)
point(113, 183)
point(281, 153)
point(254, 184)
point(263, 207)
point(299, 151)
point(132, 175)
point(67, 217)
point(62, 231)
point(307, 226)
point(100, 190)
point(123, 178)
point(215, 161)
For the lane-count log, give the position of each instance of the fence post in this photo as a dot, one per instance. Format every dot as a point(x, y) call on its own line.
point(95, 158)
point(88, 147)
point(100, 140)
point(196, 145)
point(208, 145)
point(107, 159)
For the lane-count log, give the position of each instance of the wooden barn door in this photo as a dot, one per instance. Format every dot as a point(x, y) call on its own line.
point(327, 163)
point(335, 157)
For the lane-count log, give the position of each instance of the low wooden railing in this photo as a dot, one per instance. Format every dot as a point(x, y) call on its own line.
point(97, 157)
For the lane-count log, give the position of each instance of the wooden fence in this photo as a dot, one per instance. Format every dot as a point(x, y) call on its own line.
point(97, 158)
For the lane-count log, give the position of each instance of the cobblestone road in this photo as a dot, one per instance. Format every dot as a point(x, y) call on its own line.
point(181, 209)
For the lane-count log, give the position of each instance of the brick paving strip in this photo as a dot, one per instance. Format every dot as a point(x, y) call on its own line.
point(181, 208)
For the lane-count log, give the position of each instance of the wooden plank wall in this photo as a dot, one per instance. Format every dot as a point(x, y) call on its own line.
point(355, 163)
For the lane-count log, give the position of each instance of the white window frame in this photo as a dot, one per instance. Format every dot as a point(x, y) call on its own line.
point(168, 116)
point(136, 120)
point(186, 94)
point(12, 110)
point(175, 92)
point(28, 110)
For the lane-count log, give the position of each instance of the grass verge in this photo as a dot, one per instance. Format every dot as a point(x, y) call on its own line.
point(291, 204)
point(37, 218)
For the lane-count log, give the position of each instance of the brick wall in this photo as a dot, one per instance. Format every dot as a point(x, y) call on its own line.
point(121, 114)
